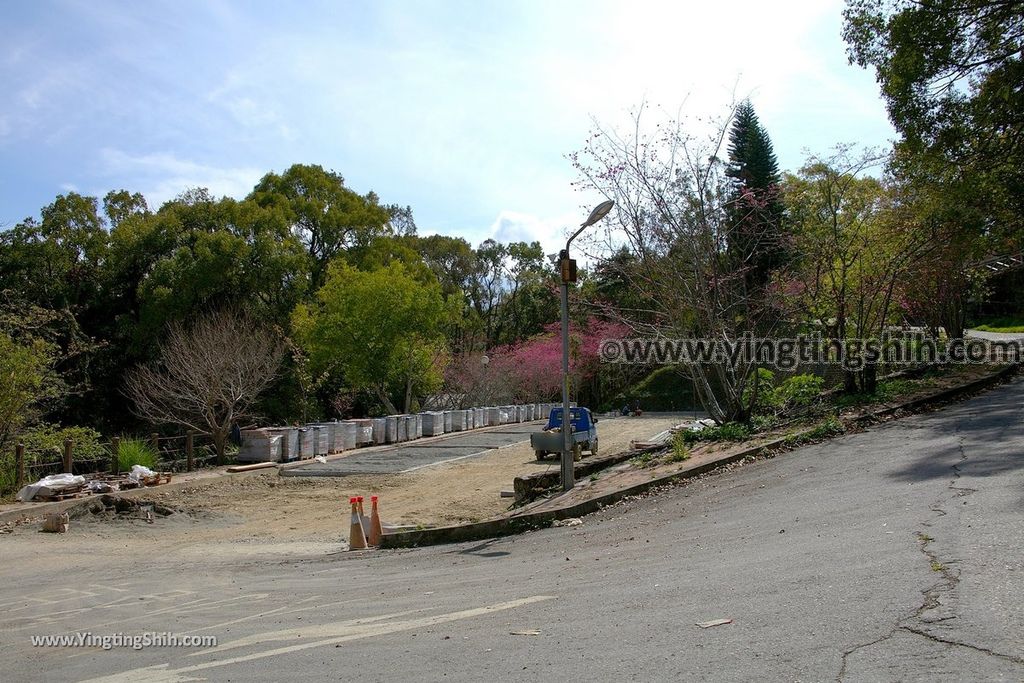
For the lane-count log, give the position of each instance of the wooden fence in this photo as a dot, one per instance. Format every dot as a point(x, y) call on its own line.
point(178, 453)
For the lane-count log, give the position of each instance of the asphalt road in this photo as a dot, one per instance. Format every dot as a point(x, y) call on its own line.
point(416, 454)
point(893, 554)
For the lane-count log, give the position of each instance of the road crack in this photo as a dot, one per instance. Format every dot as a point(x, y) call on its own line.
point(958, 643)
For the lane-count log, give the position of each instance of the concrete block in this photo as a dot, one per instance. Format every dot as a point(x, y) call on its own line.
point(289, 445)
point(493, 415)
point(470, 418)
point(432, 423)
point(325, 437)
point(305, 442)
point(364, 431)
point(410, 427)
point(259, 445)
point(379, 429)
point(447, 421)
point(348, 430)
point(321, 439)
point(419, 426)
point(391, 429)
point(403, 429)
point(458, 420)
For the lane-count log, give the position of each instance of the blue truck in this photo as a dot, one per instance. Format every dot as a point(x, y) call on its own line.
point(583, 435)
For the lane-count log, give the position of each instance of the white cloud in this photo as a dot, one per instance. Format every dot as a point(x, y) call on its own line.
point(162, 177)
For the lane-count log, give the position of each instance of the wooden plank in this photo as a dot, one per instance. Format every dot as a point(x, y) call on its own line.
point(254, 466)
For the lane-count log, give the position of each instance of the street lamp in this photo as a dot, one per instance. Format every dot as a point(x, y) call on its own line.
point(567, 268)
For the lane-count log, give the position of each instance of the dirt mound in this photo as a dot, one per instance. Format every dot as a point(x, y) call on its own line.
point(111, 508)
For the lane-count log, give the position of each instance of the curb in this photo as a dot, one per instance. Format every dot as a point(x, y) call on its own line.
point(506, 526)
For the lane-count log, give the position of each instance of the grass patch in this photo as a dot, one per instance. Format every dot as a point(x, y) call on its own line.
point(1004, 324)
point(643, 460)
point(135, 452)
point(730, 431)
point(830, 427)
point(1009, 329)
point(680, 449)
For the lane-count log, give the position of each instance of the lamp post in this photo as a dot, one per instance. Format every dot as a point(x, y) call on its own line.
point(567, 267)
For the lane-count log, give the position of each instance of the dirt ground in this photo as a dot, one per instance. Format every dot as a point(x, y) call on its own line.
point(262, 513)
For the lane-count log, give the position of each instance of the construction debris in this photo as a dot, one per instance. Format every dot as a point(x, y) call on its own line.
point(53, 487)
point(56, 522)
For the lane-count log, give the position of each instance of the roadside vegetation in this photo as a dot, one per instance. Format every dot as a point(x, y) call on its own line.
point(309, 299)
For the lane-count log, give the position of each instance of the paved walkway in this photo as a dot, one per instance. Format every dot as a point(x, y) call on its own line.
point(417, 454)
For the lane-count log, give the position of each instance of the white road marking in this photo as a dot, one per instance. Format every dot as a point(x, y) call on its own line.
point(340, 632)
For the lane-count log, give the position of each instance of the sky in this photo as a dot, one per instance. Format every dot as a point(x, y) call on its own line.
point(464, 111)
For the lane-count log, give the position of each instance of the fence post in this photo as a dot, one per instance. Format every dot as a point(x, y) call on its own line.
point(19, 462)
point(189, 453)
point(68, 447)
point(115, 448)
point(154, 441)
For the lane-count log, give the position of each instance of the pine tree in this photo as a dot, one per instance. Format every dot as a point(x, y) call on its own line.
point(756, 210)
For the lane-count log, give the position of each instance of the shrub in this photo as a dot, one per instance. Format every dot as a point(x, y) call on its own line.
point(45, 443)
point(800, 390)
point(830, 427)
point(135, 452)
point(680, 449)
point(730, 431)
point(767, 400)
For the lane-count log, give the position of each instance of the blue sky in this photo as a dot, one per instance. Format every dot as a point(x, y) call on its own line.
point(463, 110)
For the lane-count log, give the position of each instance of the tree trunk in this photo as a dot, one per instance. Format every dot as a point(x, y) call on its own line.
point(220, 438)
point(850, 381)
point(869, 379)
point(407, 405)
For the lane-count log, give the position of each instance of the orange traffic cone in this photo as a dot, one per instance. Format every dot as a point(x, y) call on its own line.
point(362, 515)
point(375, 529)
point(356, 534)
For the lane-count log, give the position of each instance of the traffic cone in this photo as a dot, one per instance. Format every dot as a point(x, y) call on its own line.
point(375, 529)
point(356, 534)
point(362, 515)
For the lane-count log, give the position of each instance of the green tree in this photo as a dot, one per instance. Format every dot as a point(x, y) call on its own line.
point(856, 249)
point(380, 330)
point(26, 379)
point(756, 243)
point(950, 72)
point(327, 216)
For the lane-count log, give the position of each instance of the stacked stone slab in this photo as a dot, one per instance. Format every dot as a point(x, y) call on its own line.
point(289, 442)
point(259, 445)
point(391, 429)
point(403, 429)
point(447, 421)
point(410, 427)
point(364, 432)
point(337, 438)
point(323, 435)
point(305, 442)
point(321, 439)
point(379, 428)
point(433, 423)
point(419, 425)
point(348, 432)
point(458, 420)
point(479, 417)
point(493, 415)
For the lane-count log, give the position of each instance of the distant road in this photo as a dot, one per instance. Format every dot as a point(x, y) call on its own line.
point(890, 554)
point(415, 454)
